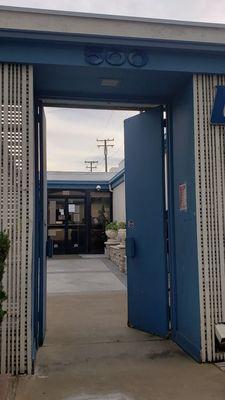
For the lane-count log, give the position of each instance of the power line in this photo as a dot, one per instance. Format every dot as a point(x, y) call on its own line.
point(91, 165)
point(108, 120)
point(105, 146)
point(117, 149)
point(112, 154)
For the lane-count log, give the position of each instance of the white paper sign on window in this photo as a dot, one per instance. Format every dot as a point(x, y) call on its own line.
point(71, 208)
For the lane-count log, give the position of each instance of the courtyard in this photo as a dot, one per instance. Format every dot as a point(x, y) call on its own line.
point(91, 354)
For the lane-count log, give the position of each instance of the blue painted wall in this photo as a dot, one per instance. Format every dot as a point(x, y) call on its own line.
point(186, 315)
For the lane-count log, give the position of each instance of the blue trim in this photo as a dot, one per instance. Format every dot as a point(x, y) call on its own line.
point(117, 179)
point(77, 185)
point(120, 180)
point(105, 185)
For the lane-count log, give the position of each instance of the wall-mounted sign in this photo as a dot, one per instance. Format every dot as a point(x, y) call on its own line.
point(115, 57)
point(183, 197)
point(218, 117)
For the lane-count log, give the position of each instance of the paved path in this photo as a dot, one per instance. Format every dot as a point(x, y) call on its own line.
point(90, 354)
point(82, 275)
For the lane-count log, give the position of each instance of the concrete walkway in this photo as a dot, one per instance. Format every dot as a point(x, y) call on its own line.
point(90, 354)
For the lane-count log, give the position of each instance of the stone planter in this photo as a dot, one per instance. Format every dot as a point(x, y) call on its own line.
point(122, 235)
point(111, 234)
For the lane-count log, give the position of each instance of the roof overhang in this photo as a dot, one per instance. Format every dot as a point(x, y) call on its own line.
point(37, 20)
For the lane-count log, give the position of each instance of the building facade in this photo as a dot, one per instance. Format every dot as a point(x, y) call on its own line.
point(80, 205)
point(51, 58)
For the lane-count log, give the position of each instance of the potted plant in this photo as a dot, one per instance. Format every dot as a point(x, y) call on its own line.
point(4, 249)
point(111, 230)
point(122, 231)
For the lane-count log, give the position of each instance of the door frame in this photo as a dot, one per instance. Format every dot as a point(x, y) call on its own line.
point(170, 222)
point(66, 226)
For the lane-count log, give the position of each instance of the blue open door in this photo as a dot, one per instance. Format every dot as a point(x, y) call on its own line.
point(146, 225)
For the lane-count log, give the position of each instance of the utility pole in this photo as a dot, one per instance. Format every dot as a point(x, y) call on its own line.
point(105, 145)
point(91, 165)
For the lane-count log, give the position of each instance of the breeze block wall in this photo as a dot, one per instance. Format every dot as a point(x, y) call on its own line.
point(210, 212)
point(17, 213)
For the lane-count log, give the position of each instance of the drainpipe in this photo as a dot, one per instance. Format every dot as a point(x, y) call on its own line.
point(110, 188)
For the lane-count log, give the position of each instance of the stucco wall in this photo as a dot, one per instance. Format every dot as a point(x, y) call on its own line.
point(119, 213)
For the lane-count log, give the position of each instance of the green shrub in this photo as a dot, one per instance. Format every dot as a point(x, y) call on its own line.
point(4, 249)
point(121, 225)
point(112, 226)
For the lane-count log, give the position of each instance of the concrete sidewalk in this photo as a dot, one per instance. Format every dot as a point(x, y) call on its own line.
point(91, 354)
point(7, 387)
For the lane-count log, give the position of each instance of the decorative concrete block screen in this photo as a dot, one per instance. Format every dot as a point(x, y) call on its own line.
point(16, 212)
point(210, 199)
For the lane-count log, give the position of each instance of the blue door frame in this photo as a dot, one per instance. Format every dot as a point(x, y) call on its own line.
point(42, 227)
point(36, 260)
point(148, 305)
point(39, 265)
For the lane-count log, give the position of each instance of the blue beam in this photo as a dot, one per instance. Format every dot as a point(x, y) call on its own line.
point(39, 52)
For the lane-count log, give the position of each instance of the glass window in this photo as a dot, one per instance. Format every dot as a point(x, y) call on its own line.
point(58, 237)
point(56, 211)
point(76, 213)
point(100, 209)
point(76, 239)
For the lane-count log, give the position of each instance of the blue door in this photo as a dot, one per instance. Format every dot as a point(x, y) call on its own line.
point(146, 225)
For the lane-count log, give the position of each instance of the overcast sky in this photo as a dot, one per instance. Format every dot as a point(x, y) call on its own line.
point(65, 127)
point(72, 134)
point(197, 10)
